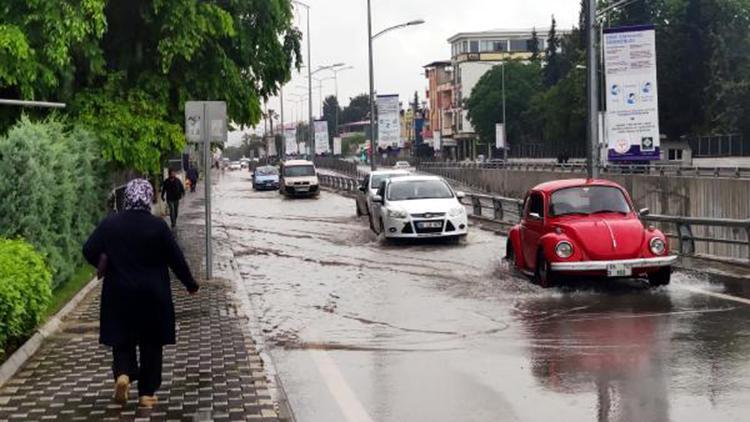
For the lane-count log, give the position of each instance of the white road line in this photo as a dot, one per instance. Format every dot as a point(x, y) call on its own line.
point(716, 295)
point(347, 401)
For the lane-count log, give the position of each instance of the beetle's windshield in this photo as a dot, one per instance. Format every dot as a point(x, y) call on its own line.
point(588, 200)
point(420, 189)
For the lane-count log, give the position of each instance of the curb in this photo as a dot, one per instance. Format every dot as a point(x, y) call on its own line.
point(22, 355)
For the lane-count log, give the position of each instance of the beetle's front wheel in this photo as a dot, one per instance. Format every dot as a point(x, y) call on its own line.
point(544, 275)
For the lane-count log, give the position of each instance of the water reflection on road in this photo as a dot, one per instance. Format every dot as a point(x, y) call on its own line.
point(438, 332)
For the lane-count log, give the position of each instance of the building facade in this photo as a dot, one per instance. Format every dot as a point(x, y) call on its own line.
point(472, 55)
point(439, 115)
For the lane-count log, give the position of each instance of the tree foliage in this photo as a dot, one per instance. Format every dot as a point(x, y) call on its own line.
point(51, 185)
point(331, 110)
point(130, 82)
point(552, 72)
point(485, 105)
point(357, 110)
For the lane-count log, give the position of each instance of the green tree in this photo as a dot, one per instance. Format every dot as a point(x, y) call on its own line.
point(557, 116)
point(331, 110)
point(552, 72)
point(357, 110)
point(522, 82)
point(534, 45)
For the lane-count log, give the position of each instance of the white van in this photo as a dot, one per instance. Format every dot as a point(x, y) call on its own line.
point(298, 178)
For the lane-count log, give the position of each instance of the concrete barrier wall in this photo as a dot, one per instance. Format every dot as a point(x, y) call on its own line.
point(670, 195)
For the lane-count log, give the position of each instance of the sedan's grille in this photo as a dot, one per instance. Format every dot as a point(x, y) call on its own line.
point(428, 215)
point(407, 229)
point(449, 227)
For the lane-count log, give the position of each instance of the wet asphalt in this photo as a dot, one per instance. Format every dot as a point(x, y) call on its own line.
point(361, 330)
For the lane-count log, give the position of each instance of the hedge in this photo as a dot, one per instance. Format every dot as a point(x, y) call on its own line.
point(24, 289)
point(51, 188)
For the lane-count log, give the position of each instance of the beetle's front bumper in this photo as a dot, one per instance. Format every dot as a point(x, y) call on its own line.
point(639, 263)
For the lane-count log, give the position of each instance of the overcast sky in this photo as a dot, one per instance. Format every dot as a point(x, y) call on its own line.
point(339, 34)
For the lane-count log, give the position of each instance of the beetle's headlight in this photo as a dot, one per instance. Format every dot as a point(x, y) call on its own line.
point(396, 213)
point(564, 249)
point(658, 246)
point(455, 212)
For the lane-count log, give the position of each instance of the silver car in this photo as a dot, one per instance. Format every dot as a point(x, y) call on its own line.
point(369, 187)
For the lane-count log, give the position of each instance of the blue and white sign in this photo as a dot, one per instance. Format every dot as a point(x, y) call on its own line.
point(632, 101)
point(389, 126)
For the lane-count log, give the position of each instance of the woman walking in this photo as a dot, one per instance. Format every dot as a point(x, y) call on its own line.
point(133, 251)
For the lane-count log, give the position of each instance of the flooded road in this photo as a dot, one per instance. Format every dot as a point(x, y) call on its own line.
point(365, 331)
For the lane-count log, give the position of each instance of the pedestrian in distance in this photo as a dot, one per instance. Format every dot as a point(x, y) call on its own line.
point(172, 191)
point(133, 251)
point(192, 176)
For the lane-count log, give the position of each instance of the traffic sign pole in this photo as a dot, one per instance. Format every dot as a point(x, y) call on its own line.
point(208, 166)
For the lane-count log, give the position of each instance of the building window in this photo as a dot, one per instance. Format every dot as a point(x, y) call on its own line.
point(519, 45)
point(485, 46)
point(500, 45)
point(474, 47)
point(675, 154)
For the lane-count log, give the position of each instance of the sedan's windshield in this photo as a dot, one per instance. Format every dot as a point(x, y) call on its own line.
point(299, 171)
point(421, 189)
point(379, 178)
point(266, 171)
point(588, 200)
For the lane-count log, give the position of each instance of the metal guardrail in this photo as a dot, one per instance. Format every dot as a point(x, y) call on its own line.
point(648, 170)
point(342, 183)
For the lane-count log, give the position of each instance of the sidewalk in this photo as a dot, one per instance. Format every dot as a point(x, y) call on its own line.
point(213, 373)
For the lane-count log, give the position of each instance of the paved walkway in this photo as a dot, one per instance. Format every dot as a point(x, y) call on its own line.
point(213, 373)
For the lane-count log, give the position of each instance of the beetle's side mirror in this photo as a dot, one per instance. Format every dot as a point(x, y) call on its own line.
point(460, 195)
point(535, 215)
point(377, 199)
point(644, 212)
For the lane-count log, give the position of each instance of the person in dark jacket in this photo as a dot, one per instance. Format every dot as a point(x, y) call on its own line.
point(134, 251)
point(172, 191)
point(192, 175)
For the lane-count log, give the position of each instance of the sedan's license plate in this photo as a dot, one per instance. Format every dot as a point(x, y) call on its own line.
point(619, 270)
point(430, 225)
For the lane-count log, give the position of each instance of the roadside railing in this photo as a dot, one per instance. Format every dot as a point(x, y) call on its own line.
point(341, 183)
point(338, 165)
point(576, 167)
point(497, 209)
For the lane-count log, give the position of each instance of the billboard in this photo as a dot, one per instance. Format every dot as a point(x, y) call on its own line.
point(632, 118)
point(437, 139)
point(337, 146)
point(290, 141)
point(271, 146)
point(389, 126)
point(500, 135)
point(321, 137)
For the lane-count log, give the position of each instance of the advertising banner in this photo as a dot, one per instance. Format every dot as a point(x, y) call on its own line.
point(321, 137)
point(389, 127)
point(337, 146)
point(631, 88)
point(500, 135)
point(302, 148)
point(437, 139)
point(271, 147)
point(290, 141)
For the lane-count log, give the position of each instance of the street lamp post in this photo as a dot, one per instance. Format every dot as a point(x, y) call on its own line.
point(370, 38)
point(309, 75)
point(592, 85)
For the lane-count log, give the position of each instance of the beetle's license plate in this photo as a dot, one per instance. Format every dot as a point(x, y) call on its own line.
point(430, 225)
point(619, 270)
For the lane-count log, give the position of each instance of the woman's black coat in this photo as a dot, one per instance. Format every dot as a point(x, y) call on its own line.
point(136, 303)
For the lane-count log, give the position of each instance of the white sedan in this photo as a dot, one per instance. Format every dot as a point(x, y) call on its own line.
point(418, 206)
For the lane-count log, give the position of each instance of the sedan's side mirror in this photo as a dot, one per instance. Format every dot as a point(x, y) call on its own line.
point(644, 211)
point(362, 188)
point(460, 195)
point(377, 199)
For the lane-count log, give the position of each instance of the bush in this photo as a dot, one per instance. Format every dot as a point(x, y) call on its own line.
point(50, 182)
point(24, 289)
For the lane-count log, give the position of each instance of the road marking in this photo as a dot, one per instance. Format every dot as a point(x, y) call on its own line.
point(716, 295)
point(347, 401)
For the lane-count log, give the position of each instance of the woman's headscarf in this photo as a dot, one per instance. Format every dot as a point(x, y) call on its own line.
point(138, 195)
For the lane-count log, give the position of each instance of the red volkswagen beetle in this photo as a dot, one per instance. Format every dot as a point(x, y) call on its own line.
point(581, 227)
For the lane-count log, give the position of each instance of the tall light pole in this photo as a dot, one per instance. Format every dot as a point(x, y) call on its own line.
point(592, 85)
point(370, 38)
point(309, 77)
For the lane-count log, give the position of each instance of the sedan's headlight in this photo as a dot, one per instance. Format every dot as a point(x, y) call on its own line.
point(455, 212)
point(396, 213)
point(564, 249)
point(658, 246)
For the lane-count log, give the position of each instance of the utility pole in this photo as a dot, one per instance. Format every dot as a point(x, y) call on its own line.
point(283, 129)
point(592, 157)
point(372, 89)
